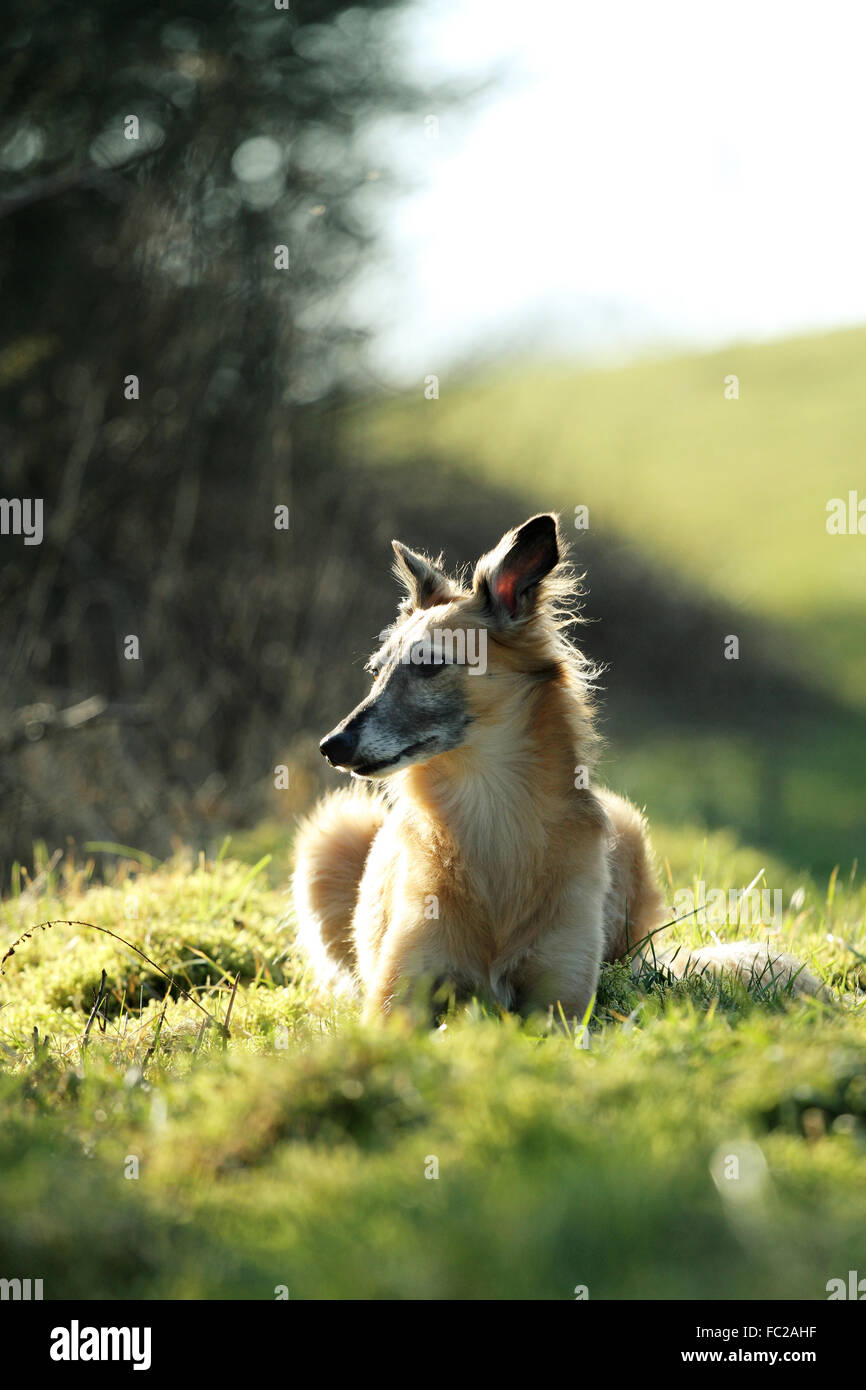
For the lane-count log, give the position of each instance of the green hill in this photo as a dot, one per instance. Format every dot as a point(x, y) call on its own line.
point(731, 494)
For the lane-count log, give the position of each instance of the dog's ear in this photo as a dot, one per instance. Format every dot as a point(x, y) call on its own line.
point(507, 578)
point(424, 582)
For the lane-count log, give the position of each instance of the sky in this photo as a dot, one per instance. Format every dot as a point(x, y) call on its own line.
point(641, 176)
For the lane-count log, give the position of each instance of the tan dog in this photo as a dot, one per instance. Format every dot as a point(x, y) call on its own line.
point(490, 865)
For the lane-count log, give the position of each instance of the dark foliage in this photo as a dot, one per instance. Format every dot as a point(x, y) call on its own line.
point(154, 257)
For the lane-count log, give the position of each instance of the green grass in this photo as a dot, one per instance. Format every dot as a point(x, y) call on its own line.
point(729, 494)
point(294, 1152)
point(802, 800)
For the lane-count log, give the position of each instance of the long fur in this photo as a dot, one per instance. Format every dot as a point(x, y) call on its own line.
point(491, 868)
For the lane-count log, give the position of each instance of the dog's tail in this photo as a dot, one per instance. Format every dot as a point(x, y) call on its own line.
point(758, 965)
point(331, 850)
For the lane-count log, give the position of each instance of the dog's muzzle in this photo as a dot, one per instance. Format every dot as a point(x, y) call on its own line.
point(339, 748)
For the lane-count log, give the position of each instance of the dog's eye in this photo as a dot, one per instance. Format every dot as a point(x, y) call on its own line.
point(426, 669)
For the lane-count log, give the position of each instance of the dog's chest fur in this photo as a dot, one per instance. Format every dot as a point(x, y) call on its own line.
point(497, 858)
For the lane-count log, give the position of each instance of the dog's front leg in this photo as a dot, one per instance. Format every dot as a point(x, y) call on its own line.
point(413, 971)
point(564, 966)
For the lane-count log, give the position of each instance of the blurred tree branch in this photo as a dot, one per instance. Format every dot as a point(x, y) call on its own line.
point(36, 722)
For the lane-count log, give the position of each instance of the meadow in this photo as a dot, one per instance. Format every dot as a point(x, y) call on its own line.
point(728, 492)
point(692, 1140)
point(696, 1140)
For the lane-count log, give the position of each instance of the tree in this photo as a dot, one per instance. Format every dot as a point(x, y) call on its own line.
point(180, 205)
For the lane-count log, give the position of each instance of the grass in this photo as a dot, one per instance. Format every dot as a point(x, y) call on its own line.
point(166, 1160)
point(803, 803)
point(729, 493)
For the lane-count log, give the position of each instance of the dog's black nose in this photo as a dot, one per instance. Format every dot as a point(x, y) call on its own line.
point(339, 748)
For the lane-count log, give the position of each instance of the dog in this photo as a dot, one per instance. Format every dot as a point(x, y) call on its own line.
point(474, 855)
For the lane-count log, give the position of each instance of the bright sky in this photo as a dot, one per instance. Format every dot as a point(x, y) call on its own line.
point(646, 173)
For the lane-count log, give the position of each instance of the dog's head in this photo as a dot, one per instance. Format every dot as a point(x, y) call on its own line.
point(455, 655)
